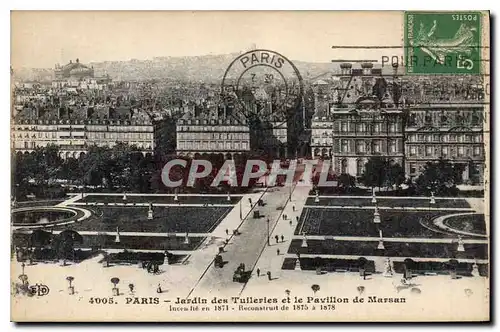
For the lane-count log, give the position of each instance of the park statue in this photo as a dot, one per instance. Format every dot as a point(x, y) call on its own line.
point(304, 240)
point(460, 246)
point(376, 216)
point(150, 212)
point(475, 270)
point(117, 237)
point(380, 241)
point(433, 199)
point(316, 199)
point(388, 268)
point(374, 199)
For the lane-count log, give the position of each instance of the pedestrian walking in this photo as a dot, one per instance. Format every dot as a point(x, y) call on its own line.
point(282, 238)
point(297, 217)
point(227, 231)
point(278, 251)
point(258, 272)
point(293, 208)
point(269, 275)
point(277, 238)
point(158, 289)
point(290, 222)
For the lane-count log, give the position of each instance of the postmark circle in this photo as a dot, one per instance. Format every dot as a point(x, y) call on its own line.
point(262, 84)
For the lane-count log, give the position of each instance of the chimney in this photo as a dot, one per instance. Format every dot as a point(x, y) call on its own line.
point(367, 68)
point(395, 68)
point(345, 69)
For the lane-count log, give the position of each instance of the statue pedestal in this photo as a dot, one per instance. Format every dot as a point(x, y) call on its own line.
point(475, 270)
point(186, 239)
point(376, 217)
point(71, 290)
point(176, 198)
point(304, 243)
point(460, 247)
point(116, 291)
point(316, 200)
point(381, 245)
point(297, 265)
point(150, 214)
point(374, 200)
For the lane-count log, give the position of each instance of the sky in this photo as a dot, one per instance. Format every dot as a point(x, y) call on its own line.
point(40, 39)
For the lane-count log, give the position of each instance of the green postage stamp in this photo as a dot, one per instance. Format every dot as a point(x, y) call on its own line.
point(443, 42)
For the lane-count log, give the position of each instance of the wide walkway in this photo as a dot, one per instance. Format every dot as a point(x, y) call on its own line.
point(244, 248)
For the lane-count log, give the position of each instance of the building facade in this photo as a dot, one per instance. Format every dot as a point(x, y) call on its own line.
point(74, 135)
point(199, 136)
point(367, 120)
point(452, 131)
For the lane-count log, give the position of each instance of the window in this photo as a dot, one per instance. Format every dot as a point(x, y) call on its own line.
point(477, 138)
point(360, 146)
point(343, 126)
point(436, 138)
point(376, 146)
point(460, 151)
point(428, 150)
point(344, 146)
point(392, 146)
point(413, 168)
point(413, 151)
point(376, 127)
point(359, 167)
point(477, 151)
point(460, 138)
point(343, 166)
point(392, 127)
point(444, 151)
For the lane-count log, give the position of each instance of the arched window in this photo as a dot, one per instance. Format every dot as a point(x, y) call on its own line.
point(343, 166)
point(359, 167)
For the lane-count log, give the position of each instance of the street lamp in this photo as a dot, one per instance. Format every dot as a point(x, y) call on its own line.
point(268, 235)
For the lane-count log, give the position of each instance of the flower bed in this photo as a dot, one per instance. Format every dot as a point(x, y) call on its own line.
point(389, 202)
point(474, 223)
point(392, 249)
point(347, 222)
point(170, 219)
point(198, 199)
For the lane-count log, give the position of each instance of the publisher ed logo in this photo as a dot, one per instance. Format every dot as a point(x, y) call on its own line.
point(261, 84)
point(39, 290)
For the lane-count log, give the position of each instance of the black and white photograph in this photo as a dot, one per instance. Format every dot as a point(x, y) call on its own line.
point(250, 166)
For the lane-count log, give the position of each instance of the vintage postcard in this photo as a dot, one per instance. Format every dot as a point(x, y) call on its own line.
point(250, 166)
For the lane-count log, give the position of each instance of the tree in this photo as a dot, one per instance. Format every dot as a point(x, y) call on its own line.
point(64, 244)
point(70, 280)
point(382, 172)
point(438, 177)
point(40, 238)
point(315, 288)
point(115, 282)
point(346, 180)
point(395, 175)
point(374, 174)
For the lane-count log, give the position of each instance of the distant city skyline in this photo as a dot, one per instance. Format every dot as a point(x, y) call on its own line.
point(42, 39)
